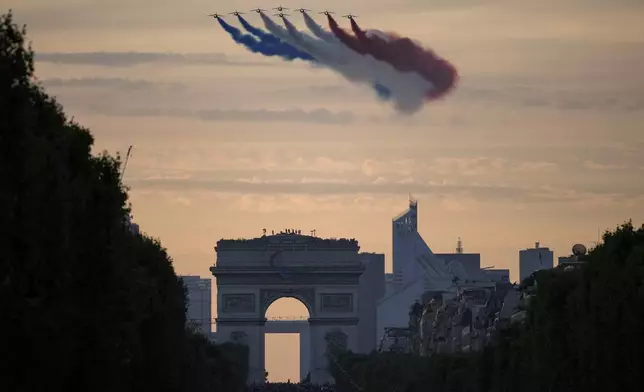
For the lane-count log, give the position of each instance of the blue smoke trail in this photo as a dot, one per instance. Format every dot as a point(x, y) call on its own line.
point(270, 39)
point(383, 92)
point(259, 33)
point(263, 47)
point(279, 48)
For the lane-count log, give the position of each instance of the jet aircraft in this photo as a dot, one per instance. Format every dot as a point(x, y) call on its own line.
point(349, 16)
point(280, 8)
point(236, 13)
point(327, 13)
point(216, 15)
point(259, 10)
point(281, 15)
point(302, 10)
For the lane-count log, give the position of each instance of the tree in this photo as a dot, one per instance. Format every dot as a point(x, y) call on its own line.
point(85, 303)
point(583, 332)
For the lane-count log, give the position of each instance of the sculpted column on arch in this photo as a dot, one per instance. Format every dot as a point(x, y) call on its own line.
point(239, 322)
point(335, 327)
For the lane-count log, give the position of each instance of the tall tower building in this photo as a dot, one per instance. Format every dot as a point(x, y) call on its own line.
point(534, 259)
point(405, 244)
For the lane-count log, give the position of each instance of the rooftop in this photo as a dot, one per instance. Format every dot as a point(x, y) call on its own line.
point(287, 239)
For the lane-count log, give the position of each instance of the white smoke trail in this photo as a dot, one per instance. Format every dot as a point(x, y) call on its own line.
point(322, 51)
point(408, 89)
point(318, 31)
point(283, 34)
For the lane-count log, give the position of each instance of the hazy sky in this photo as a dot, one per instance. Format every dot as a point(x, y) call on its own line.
point(541, 141)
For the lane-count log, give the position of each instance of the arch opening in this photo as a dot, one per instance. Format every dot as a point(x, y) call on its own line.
point(287, 339)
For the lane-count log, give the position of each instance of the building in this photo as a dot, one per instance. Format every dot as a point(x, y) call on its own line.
point(416, 270)
point(498, 275)
point(471, 263)
point(323, 273)
point(372, 289)
point(199, 312)
point(534, 259)
point(575, 259)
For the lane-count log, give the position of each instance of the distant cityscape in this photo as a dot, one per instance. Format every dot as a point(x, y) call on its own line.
point(530, 260)
point(420, 279)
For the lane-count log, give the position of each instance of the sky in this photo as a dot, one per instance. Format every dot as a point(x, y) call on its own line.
point(541, 140)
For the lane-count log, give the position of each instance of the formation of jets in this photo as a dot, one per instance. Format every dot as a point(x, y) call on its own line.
point(280, 12)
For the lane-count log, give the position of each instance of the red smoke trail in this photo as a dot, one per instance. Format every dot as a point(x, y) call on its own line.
point(392, 51)
point(346, 38)
point(403, 54)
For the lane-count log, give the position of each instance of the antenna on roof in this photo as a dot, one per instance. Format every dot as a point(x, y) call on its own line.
point(412, 202)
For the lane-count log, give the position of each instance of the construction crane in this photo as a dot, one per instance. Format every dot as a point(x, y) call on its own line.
point(127, 158)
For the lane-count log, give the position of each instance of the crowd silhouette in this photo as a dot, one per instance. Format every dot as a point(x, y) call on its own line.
point(290, 387)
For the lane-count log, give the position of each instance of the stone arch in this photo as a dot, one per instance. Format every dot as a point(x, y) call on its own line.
point(305, 296)
point(322, 274)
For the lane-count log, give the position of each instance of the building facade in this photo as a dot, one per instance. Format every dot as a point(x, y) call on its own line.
point(534, 259)
point(324, 274)
point(498, 275)
point(372, 289)
point(416, 270)
point(199, 312)
point(471, 263)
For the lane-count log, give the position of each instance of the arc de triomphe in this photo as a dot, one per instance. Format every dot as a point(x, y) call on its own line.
point(322, 273)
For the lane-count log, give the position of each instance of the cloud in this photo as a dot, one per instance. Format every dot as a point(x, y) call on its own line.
point(113, 83)
point(467, 166)
point(303, 186)
point(616, 99)
point(316, 116)
point(453, 166)
point(332, 90)
point(591, 165)
point(536, 167)
point(131, 59)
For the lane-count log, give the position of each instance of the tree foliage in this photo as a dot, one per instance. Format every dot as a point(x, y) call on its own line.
point(85, 303)
point(583, 332)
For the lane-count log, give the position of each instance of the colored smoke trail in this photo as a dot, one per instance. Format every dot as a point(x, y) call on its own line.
point(257, 32)
point(395, 50)
point(399, 69)
point(265, 47)
point(317, 30)
point(409, 89)
point(352, 71)
point(324, 54)
point(402, 53)
point(347, 39)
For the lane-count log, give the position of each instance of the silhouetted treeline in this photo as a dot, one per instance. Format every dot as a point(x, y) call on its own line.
point(84, 303)
point(584, 331)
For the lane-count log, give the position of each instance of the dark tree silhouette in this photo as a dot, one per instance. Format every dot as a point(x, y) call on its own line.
point(85, 304)
point(583, 333)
